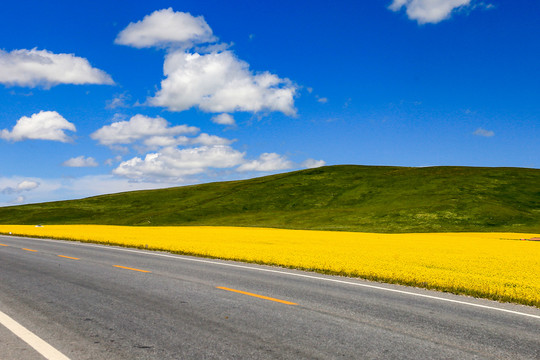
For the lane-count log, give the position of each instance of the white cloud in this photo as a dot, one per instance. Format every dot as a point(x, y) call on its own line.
point(156, 142)
point(214, 80)
point(80, 161)
point(19, 200)
point(166, 28)
point(223, 119)
point(43, 68)
point(153, 134)
point(118, 101)
point(267, 162)
point(322, 100)
point(175, 164)
point(45, 125)
point(429, 11)
point(140, 127)
point(220, 82)
point(110, 162)
point(312, 163)
point(20, 187)
point(484, 132)
point(25, 185)
point(210, 140)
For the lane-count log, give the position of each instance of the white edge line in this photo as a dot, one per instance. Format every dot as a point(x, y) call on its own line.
point(186, 258)
point(31, 339)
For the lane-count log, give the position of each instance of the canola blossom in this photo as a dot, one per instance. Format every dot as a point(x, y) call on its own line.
point(497, 266)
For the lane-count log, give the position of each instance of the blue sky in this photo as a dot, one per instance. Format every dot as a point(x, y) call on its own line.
point(107, 96)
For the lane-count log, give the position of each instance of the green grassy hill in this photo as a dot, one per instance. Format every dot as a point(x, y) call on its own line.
point(345, 197)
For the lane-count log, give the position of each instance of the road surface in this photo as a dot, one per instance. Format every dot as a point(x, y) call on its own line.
point(88, 301)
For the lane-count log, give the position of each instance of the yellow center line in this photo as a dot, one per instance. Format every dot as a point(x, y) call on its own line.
point(256, 295)
point(29, 250)
point(3, 245)
point(69, 257)
point(128, 268)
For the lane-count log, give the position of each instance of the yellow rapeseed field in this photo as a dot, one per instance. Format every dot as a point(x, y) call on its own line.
point(492, 265)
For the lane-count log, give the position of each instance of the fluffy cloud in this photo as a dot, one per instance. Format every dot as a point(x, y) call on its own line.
point(428, 11)
point(43, 68)
point(156, 142)
point(25, 185)
point(166, 28)
point(267, 162)
point(312, 163)
point(155, 130)
point(210, 140)
point(45, 125)
point(223, 119)
point(80, 161)
point(220, 82)
point(484, 132)
point(214, 80)
point(173, 163)
point(153, 134)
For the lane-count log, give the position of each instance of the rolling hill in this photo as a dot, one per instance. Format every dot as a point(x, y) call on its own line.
point(344, 197)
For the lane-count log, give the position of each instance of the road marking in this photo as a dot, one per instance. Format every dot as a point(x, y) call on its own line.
point(68, 257)
point(256, 295)
point(29, 250)
point(3, 245)
point(186, 258)
point(31, 339)
point(128, 268)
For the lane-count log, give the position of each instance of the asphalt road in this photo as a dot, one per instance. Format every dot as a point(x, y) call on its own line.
point(96, 303)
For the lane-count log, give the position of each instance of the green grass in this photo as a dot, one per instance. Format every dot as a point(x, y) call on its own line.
point(344, 198)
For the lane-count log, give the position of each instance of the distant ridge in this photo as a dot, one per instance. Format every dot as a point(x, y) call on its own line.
point(343, 197)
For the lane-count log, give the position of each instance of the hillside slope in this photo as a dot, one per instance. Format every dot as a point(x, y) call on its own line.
point(344, 197)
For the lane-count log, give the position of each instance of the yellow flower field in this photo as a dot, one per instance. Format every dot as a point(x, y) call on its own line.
point(492, 265)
